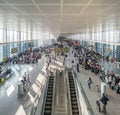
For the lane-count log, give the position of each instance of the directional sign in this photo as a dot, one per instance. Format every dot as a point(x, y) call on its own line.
point(60, 49)
point(14, 50)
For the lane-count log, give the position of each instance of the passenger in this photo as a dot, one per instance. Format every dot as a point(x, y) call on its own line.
point(25, 77)
point(77, 65)
point(113, 83)
point(118, 90)
point(110, 80)
point(78, 69)
point(28, 79)
point(98, 105)
point(104, 100)
point(97, 88)
point(89, 81)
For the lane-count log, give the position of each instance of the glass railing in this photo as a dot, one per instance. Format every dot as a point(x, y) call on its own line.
point(88, 106)
point(39, 101)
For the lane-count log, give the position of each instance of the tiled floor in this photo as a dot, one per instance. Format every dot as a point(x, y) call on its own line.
point(10, 104)
point(113, 107)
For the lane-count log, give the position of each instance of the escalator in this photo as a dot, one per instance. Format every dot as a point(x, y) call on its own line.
point(74, 103)
point(60, 97)
point(49, 97)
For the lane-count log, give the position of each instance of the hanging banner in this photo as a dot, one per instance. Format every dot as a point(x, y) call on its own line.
point(14, 50)
point(60, 49)
point(107, 51)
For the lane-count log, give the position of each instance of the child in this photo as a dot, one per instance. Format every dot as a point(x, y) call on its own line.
point(98, 105)
point(97, 88)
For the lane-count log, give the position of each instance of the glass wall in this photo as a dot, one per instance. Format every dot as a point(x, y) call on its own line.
point(1, 36)
point(105, 42)
point(1, 52)
point(10, 39)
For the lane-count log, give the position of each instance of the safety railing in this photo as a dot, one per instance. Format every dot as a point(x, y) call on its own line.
point(39, 100)
point(86, 108)
point(68, 93)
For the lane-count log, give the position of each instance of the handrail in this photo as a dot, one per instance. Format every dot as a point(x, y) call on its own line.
point(77, 93)
point(41, 100)
point(68, 94)
point(37, 100)
point(44, 98)
point(89, 108)
point(54, 93)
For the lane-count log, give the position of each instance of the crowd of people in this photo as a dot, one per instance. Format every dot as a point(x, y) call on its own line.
point(27, 57)
point(90, 61)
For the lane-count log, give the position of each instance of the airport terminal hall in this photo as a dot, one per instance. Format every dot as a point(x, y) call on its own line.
point(59, 57)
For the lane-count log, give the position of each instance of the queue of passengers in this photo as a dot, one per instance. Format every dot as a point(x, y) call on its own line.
point(89, 60)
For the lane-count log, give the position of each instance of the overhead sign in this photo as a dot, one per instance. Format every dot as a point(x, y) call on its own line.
point(14, 50)
point(107, 51)
point(60, 49)
point(3, 59)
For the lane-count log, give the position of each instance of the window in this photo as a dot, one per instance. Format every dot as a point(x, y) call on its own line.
point(29, 36)
point(117, 35)
point(1, 35)
point(22, 36)
point(1, 52)
point(10, 37)
point(25, 36)
point(107, 36)
point(16, 36)
point(111, 36)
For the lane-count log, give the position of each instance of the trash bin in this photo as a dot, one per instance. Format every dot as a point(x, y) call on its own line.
point(103, 88)
point(20, 89)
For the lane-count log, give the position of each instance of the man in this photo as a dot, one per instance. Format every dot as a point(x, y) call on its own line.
point(104, 100)
point(89, 81)
point(25, 77)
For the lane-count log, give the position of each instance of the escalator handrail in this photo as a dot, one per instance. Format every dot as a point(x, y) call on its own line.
point(89, 108)
point(53, 95)
point(68, 94)
point(45, 95)
point(76, 89)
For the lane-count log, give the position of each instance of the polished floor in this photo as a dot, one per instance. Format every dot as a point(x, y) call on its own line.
point(113, 106)
point(10, 104)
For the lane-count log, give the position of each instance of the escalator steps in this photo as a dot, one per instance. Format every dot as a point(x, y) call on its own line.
point(49, 99)
point(73, 96)
point(74, 103)
point(47, 107)
point(72, 92)
point(74, 99)
point(72, 89)
point(48, 104)
point(71, 80)
point(72, 86)
point(75, 112)
point(50, 86)
point(50, 89)
point(47, 112)
point(49, 96)
point(75, 107)
point(49, 93)
point(50, 83)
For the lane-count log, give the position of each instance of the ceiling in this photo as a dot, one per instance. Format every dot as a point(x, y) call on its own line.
point(59, 16)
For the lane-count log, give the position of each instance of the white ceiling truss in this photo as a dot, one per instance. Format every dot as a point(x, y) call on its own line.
point(59, 16)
